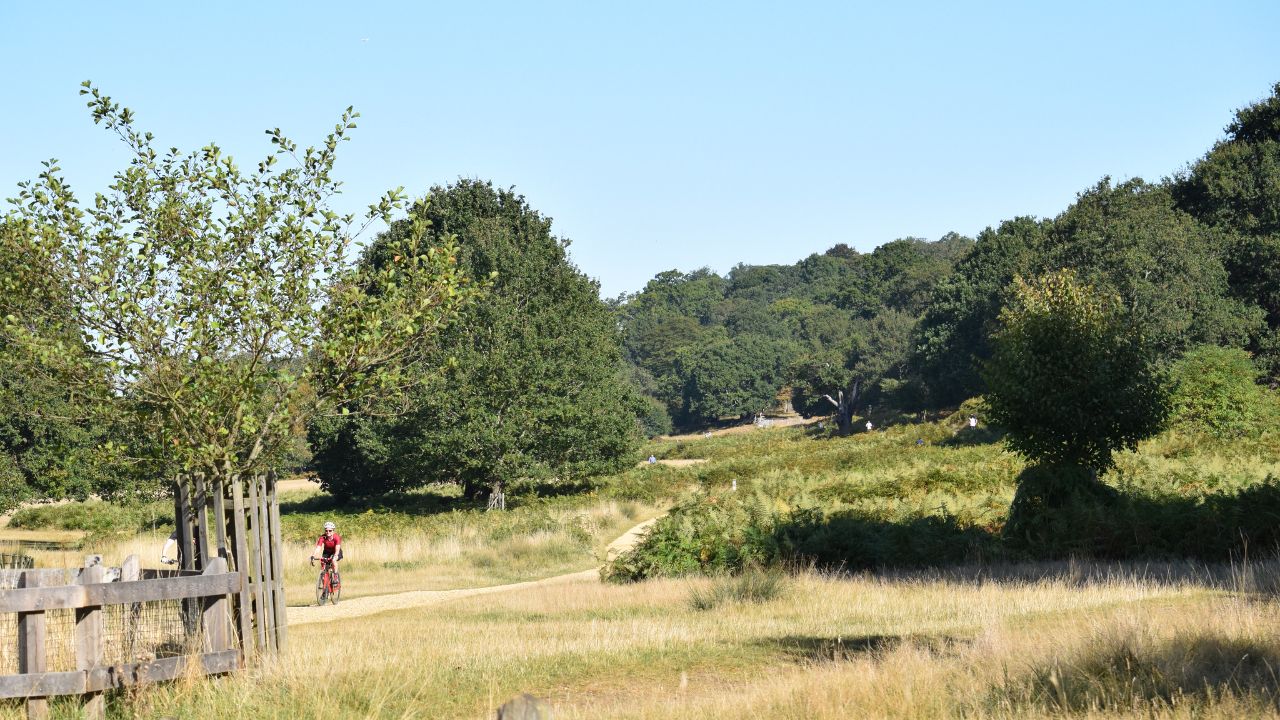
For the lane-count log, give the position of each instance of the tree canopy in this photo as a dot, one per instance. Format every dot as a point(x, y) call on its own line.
point(534, 386)
point(213, 307)
point(1069, 377)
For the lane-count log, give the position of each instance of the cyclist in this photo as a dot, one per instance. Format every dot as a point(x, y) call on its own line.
point(328, 546)
point(172, 552)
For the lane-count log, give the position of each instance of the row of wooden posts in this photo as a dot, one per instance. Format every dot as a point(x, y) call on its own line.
point(245, 518)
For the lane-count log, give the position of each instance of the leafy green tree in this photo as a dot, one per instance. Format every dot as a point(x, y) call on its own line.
point(216, 304)
point(1167, 268)
point(1214, 390)
point(1237, 183)
point(535, 385)
point(953, 334)
point(870, 366)
point(817, 376)
point(1236, 188)
point(881, 352)
point(736, 377)
point(47, 437)
point(1069, 378)
point(1129, 240)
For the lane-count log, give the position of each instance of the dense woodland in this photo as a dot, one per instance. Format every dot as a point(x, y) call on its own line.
point(1193, 258)
point(465, 347)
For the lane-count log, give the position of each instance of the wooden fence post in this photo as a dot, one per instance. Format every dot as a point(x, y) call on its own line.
point(31, 652)
point(220, 515)
point(277, 551)
point(268, 569)
point(89, 638)
point(240, 539)
point(259, 569)
point(182, 501)
point(201, 502)
point(216, 635)
point(130, 571)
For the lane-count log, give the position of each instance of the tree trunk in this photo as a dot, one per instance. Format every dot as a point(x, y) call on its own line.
point(844, 406)
point(497, 498)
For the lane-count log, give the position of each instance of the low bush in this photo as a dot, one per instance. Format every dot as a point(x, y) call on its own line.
point(1215, 391)
point(98, 519)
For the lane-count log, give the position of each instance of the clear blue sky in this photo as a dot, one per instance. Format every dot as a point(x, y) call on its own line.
point(663, 135)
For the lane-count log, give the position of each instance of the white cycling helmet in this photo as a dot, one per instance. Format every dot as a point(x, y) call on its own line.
point(330, 526)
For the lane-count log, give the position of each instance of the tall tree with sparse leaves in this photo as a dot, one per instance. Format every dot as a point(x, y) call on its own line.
point(216, 306)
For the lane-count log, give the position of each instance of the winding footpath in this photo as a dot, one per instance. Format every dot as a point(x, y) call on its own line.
point(370, 605)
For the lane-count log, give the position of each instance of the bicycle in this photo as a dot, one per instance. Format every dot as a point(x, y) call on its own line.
point(329, 584)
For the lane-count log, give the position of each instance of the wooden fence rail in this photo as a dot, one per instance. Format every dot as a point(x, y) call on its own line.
point(205, 593)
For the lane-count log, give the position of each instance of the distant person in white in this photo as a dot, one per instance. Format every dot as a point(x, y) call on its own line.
point(168, 555)
point(973, 421)
point(869, 426)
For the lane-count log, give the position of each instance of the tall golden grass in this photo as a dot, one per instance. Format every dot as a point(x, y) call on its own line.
point(1038, 642)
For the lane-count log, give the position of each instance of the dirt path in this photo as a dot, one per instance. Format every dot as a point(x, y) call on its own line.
point(778, 422)
point(361, 606)
point(675, 462)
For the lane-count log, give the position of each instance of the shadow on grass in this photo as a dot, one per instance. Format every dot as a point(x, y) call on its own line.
point(850, 541)
point(529, 489)
point(1069, 532)
point(413, 503)
point(810, 649)
point(437, 499)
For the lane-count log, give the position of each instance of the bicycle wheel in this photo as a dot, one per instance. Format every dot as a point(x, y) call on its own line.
point(322, 592)
point(335, 587)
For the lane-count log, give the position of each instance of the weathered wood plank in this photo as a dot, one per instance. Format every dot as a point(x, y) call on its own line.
point(182, 500)
point(31, 650)
point(277, 554)
point(37, 686)
point(201, 502)
point(39, 599)
point(89, 642)
point(268, 569)
point(216, 637)
point(259, 593)
point(240, 541)
point(163, 669)
point(77, 682)
point(220, 518)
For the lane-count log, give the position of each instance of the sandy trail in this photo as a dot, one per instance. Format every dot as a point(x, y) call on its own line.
point(361, 606)
point(774, 422)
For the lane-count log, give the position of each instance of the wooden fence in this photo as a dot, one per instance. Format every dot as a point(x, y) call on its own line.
point(209, 648)
point(244, 517)
point(227, 602)
point(16, 560)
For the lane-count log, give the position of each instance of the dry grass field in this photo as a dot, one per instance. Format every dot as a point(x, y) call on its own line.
point(1043, 641)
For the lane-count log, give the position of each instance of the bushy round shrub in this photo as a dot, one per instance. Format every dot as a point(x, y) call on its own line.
point(1214, 390)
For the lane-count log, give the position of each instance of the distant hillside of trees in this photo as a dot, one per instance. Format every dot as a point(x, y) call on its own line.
point(1195, 259)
